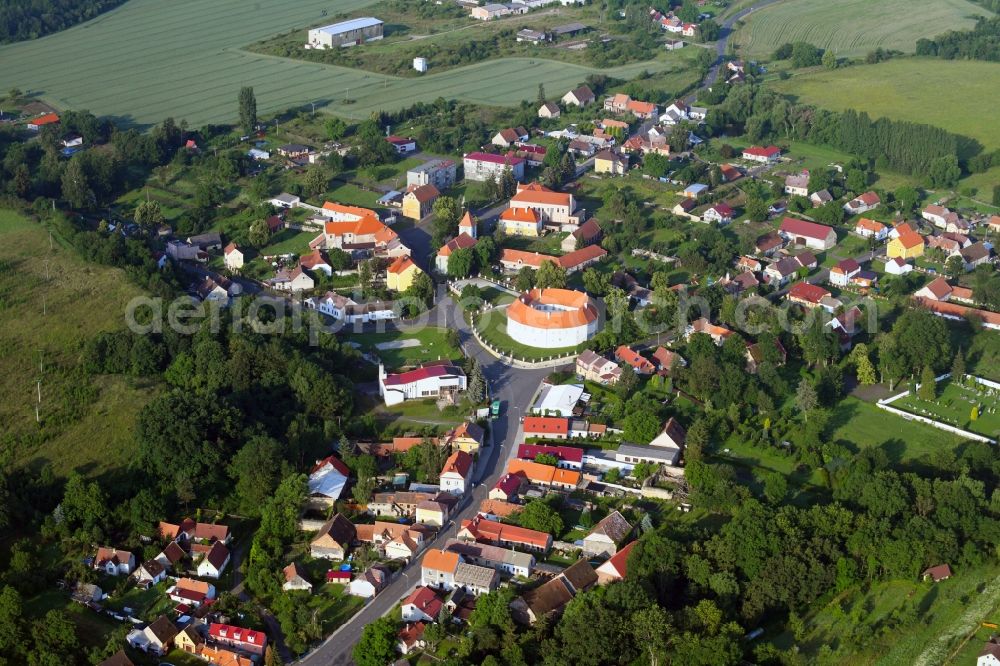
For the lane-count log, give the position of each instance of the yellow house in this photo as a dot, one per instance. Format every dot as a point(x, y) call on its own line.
point(908, 245)
point(401, 273)
point(609, 162)
point(466, 437)
point(419, 200)
point(521, 222)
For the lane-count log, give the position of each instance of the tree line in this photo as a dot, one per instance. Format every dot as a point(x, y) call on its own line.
point(982, 42)
point(30, 19)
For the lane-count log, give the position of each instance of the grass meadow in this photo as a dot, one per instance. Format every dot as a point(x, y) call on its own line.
point(852, 27)
point(150, 59)
point(910, 89)
point(51, 303)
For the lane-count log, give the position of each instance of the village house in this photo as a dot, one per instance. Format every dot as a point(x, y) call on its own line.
point(666, 359)
point(233, 257)
point(431, 512)
point(871, 229)
point(334, 538)
point(862, 204)
point(150, 572)
point(908, 245)
point(214, 562)
point(843, 271)
point(295, 578)
point(616, 567)
point(897, 266)
point(423, 605)
point(247, 640)
point(401, 273)
point(769, 243)
point(502, 560)
point(937, 290)
point(546, 476)
point(579, 97)
point(489, 11)
point(764, 155)
point(326, 481)
point(157, 638)
point(549, 599)
point(812, 296)
point(467, 436)
point(719, 213)
point(437, 569)
point(596, 368)
point(627, 355)
point(411, 636)
point(437, 379)
point(402, 144)
point(500, 534)
point(604, 537)
point(611, 162)
point(810, 234)
point(507, 487)
point(399, 504)
point(797, 184)
point(820, 198)
point(456, 473)
point(117, 659)
point(567, 457)
point(369, 583)
point(939, 216)
point(975, 255)
point(549, 110)
point(549, 427)
point(295, 280)
point(703, 325)
point(588, 233)
point(496, 509)
point(990, 655)
point(937, 573)
point(506, 138)
point(285, 200)
point(114, 562)
point(556, 208)
point(418, 201)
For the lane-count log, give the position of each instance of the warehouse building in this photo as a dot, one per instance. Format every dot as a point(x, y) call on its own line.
point(346, 33)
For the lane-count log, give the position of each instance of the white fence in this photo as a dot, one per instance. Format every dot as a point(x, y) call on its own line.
point(885, 404)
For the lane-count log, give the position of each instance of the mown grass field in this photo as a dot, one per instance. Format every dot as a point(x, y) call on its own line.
point(86, 423)
point(959, 96)
point(852, 27)
point(185, 58)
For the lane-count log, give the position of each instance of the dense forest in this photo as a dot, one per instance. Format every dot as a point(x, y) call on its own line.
point(29, 19)
point(980, 43)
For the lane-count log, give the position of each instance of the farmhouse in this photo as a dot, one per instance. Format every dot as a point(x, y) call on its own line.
point(502, 560)
point(489, 12)
point(285, 200)
point(38, 123)
point(506, 138)
point(233, 257)
point(810, 234)
point(610, 162)
point(557, 208)
point(433, 380)
point(507, 536)
point(616, 567)
point(897, 266)
point(552, 318)
point(627, 355)
point(334, 538)
point(939, 216)
point(843, 271)
point(345, 33)
point(603, 539)
point(871, 229)
point(294, 280)
point(488, 166)
point(551, 598)
point(719, 213)
point(549, 110)
point(765, 155)
point(797, 184)
point(703, 325)
point(548, 427)
point(812, 296)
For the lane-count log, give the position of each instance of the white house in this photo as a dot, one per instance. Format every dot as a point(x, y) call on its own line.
point(233, 257)
point(285, 200)
point(368, 584)
point(114, 562)
point(214, 562)
point(810, 234)
point(423, 605)
point(157, 638)
point(871, 229)
point(862, 204)
point(990, 656)
point(897, 266)
point(456, 473)
point(797, 184)
point(764, 155)
point(719, 213)
point(327, 480)
point(843, 271)
point(605, 536)
point(436, 379)
point(295, 578)
point(151, 572)
point(294, 280)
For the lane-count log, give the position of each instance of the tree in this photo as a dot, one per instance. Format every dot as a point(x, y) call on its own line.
point(447, 213)
point(148, 215)
point(652, 630)
point(865, 371)
point(22, 180)
point(627, 382)
point(377, 646)
point(928, 388)
point(541, 94)
point(460, 263)
point(756, 209)
point(493, 611)
point(539, 515)
point(259, 234)
point(507, 185)
point(829, 60)
point(550, 275)
point(422, 288)
point(641, 425)
point(595, 282)
point(954, 265)
point(335, 128)
point(317, 180)
point(805, 397)
point(255, 467)
point(477, 383)
point(525, 279)
point(958, 366)
point(248, 109)
point(75, 186)
point(547, 459)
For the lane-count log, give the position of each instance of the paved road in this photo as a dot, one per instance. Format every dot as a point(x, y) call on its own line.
point(723, 43)
point(515, 389)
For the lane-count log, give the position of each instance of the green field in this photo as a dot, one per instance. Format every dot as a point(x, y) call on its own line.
point(852, 27)
point(80, 300)
point(151, 59)
point(910, 89)
point(946, 612)
point(954, 405)
point(433, 345)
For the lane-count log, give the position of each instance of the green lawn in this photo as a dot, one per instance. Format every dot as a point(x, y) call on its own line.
point(433, 344)
point(352, 195)
point(946, 613)
point(954, 405)
point(92, 628)
point(852, 27)
point(900, 89)
point(80, 300)
point(150, 59)
point(865, 425)
point(289, 241)
point(493, 329)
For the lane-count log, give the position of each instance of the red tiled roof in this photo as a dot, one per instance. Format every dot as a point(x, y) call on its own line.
point(494, 159)
point(490, 530)
point(809, 293)
point(796, 227)
point(228, 632)
point(757, 151)
point(425, 372)
point(459, 463)
point(581, 256)
point(567, 453)
point(47, 119)
point(547, 425)
point(334, 462)
point(509, 483)
point(426, 600)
